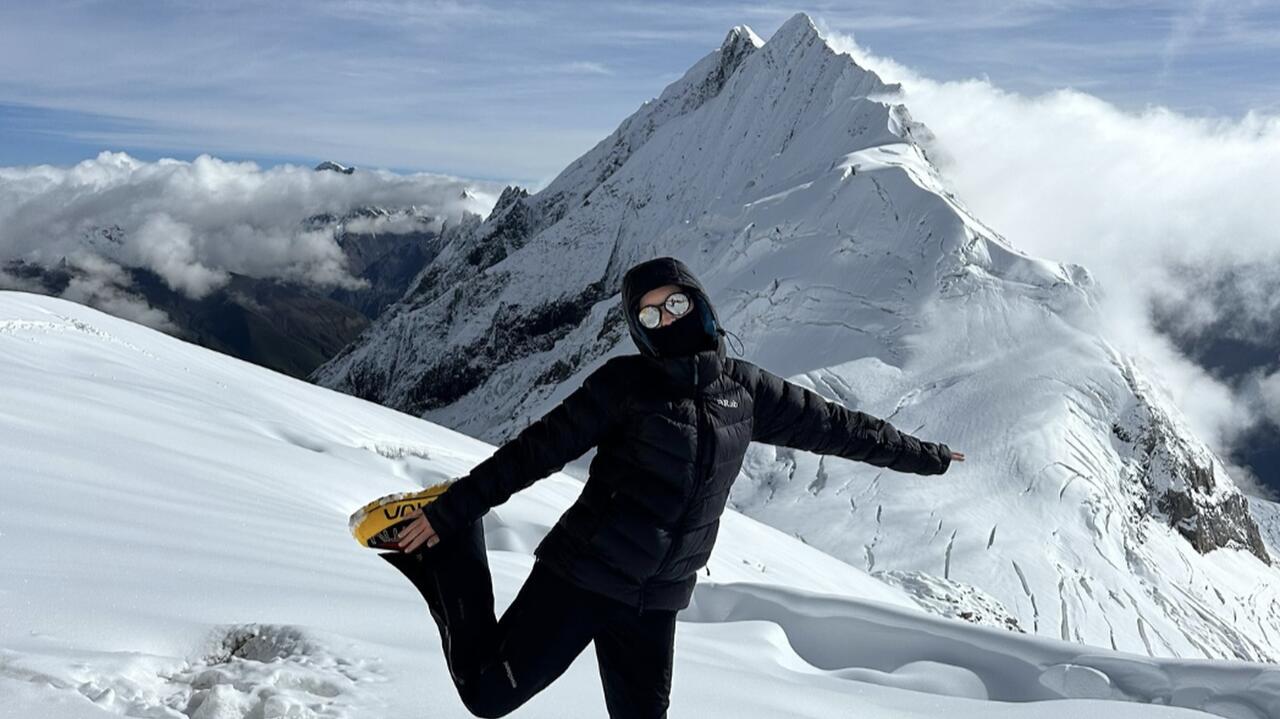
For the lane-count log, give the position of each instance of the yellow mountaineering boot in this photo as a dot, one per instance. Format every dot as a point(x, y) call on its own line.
point(377, 523)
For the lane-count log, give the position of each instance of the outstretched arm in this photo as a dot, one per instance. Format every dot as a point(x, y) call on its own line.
point(560, 436)
point(792, 416)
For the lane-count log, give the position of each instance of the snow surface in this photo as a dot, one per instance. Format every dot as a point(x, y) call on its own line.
point(831, 244)
point(173, 543)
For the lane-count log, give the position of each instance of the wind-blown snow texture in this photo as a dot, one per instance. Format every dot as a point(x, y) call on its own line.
point(174, 544)
point(1086, 511)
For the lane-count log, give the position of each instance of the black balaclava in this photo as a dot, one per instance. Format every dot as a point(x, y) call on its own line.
point(685, 335)
point(697, 331)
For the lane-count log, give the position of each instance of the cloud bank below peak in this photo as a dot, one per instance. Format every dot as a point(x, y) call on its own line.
point(1139, 198)
point(193, 223)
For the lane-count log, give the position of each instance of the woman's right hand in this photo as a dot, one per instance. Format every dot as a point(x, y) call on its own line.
point(418, 531)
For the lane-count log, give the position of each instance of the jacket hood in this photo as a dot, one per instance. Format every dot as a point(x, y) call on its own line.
point(661, 271)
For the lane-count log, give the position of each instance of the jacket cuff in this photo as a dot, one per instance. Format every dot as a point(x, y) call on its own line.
point(944, 458)
point(438, 515)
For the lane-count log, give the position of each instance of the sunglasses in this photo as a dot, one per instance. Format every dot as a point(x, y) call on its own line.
point(677, 304)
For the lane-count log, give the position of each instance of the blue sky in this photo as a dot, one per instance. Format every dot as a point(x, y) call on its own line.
point(515, 91)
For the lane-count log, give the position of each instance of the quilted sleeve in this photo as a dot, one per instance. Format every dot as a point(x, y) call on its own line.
point(789, 415)
point(545, 446)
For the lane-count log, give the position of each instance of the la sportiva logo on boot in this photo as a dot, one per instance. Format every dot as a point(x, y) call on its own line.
point(401, 510)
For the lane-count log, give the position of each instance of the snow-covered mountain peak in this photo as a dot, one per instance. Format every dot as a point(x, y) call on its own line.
point(837, 251)
point(794, 38)
point(801, 49)
point(331, 166)
point(797, 29)
point(728, 160)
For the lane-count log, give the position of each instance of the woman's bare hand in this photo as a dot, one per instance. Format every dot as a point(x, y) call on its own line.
point(957, 456)
point(418, 531)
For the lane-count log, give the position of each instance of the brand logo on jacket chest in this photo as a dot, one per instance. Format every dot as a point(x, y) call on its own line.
point(726, 402)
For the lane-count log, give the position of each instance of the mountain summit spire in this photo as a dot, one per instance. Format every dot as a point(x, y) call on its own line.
point(798, 29)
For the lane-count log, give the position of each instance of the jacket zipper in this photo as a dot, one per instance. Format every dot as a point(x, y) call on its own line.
point(697, 480)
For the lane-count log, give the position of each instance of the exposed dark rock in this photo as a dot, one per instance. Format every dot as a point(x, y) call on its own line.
point(516, 332)
point(447, 381)
point(1208, 527)
point(1008, 622)
point(510, 195)
point(285, 326)
point(33, 277)
point(1180, 483)
point(388, 262)
point(507, 231)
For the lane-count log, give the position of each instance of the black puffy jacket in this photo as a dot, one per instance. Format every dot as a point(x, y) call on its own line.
point(671, 433)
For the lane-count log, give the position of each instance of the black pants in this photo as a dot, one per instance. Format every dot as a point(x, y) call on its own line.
point(497, 665)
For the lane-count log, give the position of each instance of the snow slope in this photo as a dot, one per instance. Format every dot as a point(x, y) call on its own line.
point(1087, 509)
point(173, 543)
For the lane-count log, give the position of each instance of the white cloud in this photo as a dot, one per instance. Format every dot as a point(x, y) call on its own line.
point(585, 67)
point(167, 247)
point(104, 285)
point(1261, 391)
point(1137, 198)
point(195, 222)
point(1249, 483)
point(395, 224)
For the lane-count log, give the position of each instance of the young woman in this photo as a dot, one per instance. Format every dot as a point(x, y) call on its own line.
point(671, 424)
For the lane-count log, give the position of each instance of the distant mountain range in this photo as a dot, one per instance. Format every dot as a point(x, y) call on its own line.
point(287, 326)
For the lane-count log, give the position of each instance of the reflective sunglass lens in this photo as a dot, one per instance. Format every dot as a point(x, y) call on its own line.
point(650, 316)
point(678, 304)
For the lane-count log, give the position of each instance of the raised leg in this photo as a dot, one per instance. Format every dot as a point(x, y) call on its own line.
point(453, 577)
point(497, 666)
